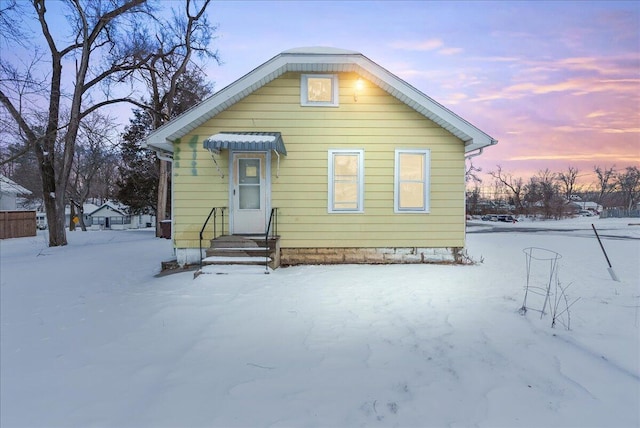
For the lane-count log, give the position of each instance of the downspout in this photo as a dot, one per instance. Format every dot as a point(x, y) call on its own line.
point(471, 156)
point(168, 157)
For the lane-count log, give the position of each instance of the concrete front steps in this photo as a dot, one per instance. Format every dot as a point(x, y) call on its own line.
point(235, 250)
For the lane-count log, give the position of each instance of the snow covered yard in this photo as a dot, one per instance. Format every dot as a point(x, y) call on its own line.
point(90, 337)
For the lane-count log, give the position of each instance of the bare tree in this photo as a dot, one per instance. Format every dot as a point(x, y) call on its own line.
point(105, 46)
point(139, 167)
point(606, 184)
point(532, 195)
point(22, 169)
point(188, 33)
point(542, 195)
point(10, 24)
point(568, 182)
point(629, 184)
point(471, 173)
point(514, 185)
point(472, 200)
point(92, 155)
point(551, 202)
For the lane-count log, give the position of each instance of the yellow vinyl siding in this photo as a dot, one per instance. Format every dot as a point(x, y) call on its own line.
point(377, 123)
point(195, 195)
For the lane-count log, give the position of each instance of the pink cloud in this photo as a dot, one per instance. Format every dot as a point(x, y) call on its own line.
point(425, 45)
point(451, 51)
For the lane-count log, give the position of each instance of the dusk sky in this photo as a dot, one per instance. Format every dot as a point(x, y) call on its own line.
point(556, 83)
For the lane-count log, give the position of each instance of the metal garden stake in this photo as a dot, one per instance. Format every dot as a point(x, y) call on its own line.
point(611, 272)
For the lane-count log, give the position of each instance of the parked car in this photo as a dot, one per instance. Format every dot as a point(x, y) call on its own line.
point(493, 218)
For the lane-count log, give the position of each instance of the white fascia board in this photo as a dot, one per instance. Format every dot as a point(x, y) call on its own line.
point(472, 137)
point(163, 137)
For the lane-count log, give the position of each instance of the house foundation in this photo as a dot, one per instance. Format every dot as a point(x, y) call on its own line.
point(300, 256)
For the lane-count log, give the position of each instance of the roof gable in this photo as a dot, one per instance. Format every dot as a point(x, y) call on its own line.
point(108, 207)
point(321, 60)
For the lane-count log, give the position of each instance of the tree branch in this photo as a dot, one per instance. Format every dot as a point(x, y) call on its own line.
point(116, 69)
point(17, 116)
point(97, 106)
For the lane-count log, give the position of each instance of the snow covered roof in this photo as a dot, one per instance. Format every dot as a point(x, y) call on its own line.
point(86, 208)
point(323, 60)
point(112, 206)
point(10, 187)
point(323, 50)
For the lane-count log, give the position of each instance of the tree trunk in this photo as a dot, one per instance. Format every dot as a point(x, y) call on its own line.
point(161, 211)
point(72, 216)
point(81, 217)
point(55, 214)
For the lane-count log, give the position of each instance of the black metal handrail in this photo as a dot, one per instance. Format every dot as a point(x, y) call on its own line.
point(274, 215)
point(213, 211)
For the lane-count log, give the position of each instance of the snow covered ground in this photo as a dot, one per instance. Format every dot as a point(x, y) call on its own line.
point(90, 337)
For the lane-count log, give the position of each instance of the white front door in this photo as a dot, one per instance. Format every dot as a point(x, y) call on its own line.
point(249, 193)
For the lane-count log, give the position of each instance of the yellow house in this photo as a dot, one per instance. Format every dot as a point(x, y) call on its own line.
point(335, 156)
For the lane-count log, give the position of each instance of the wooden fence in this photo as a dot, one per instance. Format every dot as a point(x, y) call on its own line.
point(16, 224)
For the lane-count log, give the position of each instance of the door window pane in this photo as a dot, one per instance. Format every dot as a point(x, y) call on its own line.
point(249, 171)
point(249, 184)
point(249, 197)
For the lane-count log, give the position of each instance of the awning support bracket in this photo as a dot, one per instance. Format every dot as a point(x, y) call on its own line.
point(216, 163)
point(278, 164)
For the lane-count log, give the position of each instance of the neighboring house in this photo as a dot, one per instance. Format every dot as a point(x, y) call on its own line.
point(589, 206)
point(9, 192)
point(139, 221)
point(360, 165)
point(111, 215)
point(41, 215)
point(86, 209)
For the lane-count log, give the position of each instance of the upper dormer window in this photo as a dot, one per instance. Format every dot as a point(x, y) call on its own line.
point(319, 90)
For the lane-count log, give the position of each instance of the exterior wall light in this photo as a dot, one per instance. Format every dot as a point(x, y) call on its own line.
point(358, 88)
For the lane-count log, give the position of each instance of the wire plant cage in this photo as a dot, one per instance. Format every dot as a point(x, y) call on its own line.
point(542, 273)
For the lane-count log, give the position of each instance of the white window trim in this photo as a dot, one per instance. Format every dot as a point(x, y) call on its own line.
point(427, 182)
point(304, 101)
point(360, 153)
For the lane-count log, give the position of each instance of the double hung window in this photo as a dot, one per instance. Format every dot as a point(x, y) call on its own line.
point(411, 193)
point(411, 181)
point(346, 181)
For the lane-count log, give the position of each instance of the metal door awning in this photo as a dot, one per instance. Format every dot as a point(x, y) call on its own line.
point(246, 141)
